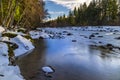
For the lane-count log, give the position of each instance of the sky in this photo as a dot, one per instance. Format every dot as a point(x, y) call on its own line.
point(59, 7)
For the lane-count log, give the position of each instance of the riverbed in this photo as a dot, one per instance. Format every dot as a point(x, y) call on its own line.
point(73, 57)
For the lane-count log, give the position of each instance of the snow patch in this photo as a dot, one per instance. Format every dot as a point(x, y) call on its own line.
point(3, 48)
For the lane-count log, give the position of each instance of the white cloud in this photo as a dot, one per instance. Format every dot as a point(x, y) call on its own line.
point(53, 12)
point(70, 4)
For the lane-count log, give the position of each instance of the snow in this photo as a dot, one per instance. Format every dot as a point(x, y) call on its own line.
point(3, 48)
point(8, 72)
point(34, 34)
point(4, 38)
point(12, 72)
point(1, 29)
point(105, 34)
point(37, 34)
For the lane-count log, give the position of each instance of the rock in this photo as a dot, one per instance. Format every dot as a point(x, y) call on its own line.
point(96, 33)
point(1, 75)
point(110, 46)
point(85, 37)
point(116, 30)
point(74, 40)
point(65, 32)
point(100, 36)
point(4, 55)
point(92, 35)
point(69, 34)
point(41, 37)
point(100, 42)
point(48, 69)
point(118, 38)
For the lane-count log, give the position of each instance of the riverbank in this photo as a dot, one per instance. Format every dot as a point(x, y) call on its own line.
point(19, 45)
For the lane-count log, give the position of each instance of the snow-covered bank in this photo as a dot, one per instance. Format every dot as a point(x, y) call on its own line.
point(107, 37)
point(9, 72)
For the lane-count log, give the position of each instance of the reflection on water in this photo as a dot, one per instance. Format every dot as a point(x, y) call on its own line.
point(31, 64)
point(71, 61)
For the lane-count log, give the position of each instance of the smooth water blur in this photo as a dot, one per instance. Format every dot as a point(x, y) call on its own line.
point(76, 61)
point(71, 61)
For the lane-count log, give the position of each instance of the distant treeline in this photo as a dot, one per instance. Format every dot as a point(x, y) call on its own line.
point(24, 13)
point(104, 12)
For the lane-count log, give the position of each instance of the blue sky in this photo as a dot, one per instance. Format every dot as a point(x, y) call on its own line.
point(55, 10)
point(59, 7)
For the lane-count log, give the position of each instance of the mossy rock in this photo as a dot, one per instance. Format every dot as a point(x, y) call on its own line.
point(22, 30)
point(10, 35)
point(28, 37)
point(14, 46)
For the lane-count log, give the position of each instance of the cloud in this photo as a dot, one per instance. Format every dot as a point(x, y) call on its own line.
point(53, 12)
point(70, 4)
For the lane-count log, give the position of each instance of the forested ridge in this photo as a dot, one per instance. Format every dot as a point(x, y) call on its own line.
point(23, 13)
point(104, 12)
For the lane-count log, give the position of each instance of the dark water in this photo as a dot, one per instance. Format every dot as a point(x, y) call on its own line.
point(71, 61)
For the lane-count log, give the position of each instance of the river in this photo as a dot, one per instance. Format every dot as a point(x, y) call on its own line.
point(71, 60)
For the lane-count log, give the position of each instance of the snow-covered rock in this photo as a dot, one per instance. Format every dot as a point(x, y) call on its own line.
point(44, 35)
point(34, 34)
point(38, 34)
point(24, 44)
point(4, 38)
point(47, 69)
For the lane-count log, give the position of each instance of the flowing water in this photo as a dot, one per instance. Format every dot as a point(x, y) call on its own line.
point(71, 61)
